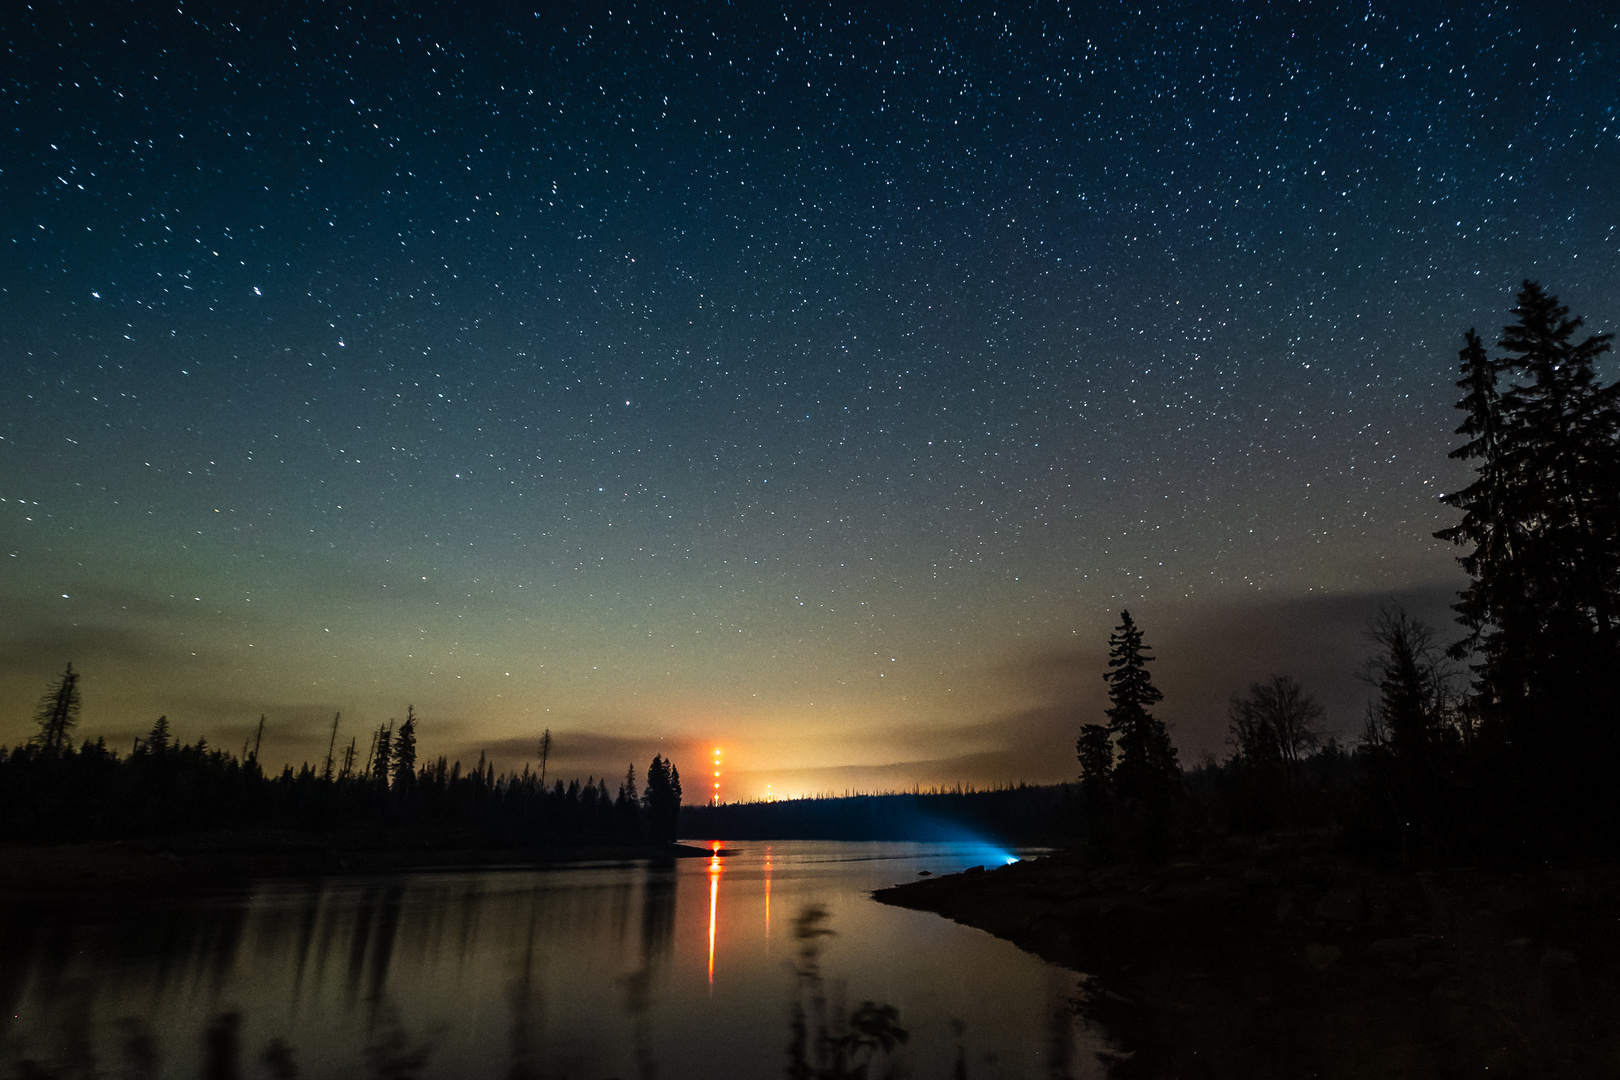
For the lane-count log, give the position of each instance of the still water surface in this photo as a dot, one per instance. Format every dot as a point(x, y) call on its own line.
point(689, 968)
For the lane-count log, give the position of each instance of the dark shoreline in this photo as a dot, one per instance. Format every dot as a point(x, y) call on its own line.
point(1291, 961)
point(230, 860)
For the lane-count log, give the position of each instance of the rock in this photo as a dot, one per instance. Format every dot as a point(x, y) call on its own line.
point(1322, 957)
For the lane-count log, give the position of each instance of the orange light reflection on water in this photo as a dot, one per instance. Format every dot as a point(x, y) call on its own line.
point(767, 899)
point(714, 902)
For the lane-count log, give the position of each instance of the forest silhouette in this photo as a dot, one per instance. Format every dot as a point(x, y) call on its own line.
point(52, 791)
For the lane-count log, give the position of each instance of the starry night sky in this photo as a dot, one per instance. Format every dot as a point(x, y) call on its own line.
point(812, 384)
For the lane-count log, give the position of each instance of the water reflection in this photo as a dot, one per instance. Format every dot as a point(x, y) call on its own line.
point(585, 972)
point(714, 902)
point(824, 1045)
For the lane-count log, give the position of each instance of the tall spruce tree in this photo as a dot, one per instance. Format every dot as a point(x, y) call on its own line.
point(158, 740)
point(405, 750)
point(58, 712)
point(382, 759)
point(1563, 424)
point(1490, 525)
point(1147, 767)
point(1541, 520)
point(662, 798)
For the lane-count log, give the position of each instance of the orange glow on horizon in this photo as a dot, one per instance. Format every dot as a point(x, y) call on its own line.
point(717, 776)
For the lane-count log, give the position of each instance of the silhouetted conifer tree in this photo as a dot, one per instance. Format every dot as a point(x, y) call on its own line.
point(158, 740)
point(1146, 776)
point(382, 759)
point(331, 746)
point(662, 799)
point(627, 806)
point(1489, 522)
point(1147, 765)
point(58, 712)
point(1563, 423)
point(1541, 529)
point(405, 750)
point(1542, 517)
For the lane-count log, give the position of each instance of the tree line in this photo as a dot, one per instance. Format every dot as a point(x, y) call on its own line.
point(1505, 738)
point(51, 789)
point(1016, 813)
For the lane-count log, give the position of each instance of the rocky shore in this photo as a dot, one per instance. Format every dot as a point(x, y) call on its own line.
point(1287, 960)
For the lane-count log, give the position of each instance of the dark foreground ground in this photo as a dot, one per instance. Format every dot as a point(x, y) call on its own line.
point(213, 860)
point(1288, 961)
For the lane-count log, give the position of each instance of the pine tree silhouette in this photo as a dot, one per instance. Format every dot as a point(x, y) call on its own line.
point(58, 712)
point(405, 750)
point(1147, 767)
point(1542, 518)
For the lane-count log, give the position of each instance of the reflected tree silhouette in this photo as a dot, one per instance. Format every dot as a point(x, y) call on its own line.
point(279, 1058)
point(139, 1050)
point(221, 1047)
point(657, 942)
point(658, 911)
point(823, 1045)
point(958, 1030)
point(309, 912)
point(382, 950)
point(525, 1002)
point(390, 1052)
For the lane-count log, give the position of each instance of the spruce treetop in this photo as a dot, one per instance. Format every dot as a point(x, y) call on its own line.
point(1130, 686)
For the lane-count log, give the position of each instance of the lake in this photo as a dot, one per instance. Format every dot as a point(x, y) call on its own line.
point(710, 968)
